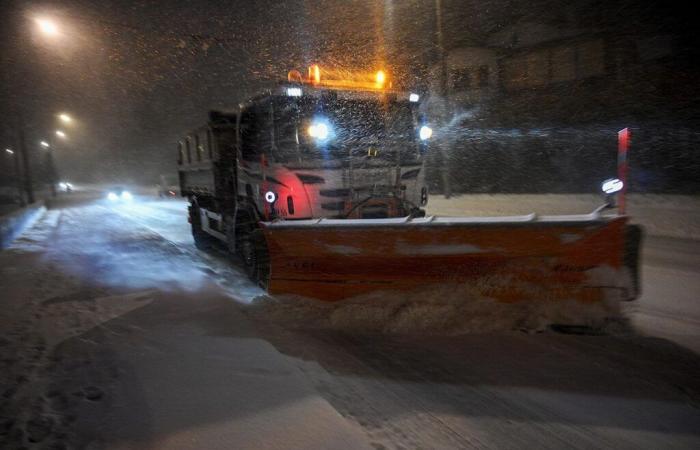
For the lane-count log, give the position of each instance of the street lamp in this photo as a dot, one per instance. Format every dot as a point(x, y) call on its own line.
point(10, 151)
point(65, 118)
point(47, 26)
point(60, 134)
point(50, 29)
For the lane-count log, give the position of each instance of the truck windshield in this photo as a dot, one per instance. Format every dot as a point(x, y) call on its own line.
point(321, 129)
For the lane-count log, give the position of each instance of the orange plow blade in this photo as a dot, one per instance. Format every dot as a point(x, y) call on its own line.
point(560, 257)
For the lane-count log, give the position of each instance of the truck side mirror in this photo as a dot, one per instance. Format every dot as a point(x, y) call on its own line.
point(610, 188)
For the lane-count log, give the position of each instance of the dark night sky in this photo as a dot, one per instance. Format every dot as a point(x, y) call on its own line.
point(137, 74)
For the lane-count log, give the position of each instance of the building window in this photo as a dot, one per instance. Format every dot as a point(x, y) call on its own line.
point(538, 68)
point(461, 80)
point(210, 144)
point(180, 154)
point(483, 76)
point(563, 64)
point(515, 72)
point(188, 150)
point(197, 147)
point(591, 58)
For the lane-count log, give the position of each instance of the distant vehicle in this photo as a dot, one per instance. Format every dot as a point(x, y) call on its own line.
point(168, 187)
point(65, 186)
point(118, 193)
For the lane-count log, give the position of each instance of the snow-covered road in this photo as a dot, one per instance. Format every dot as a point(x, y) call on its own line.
point(119, 333)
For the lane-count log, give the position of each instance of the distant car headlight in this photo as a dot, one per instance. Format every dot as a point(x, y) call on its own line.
point(126, 195)
point(425, 133)
point(112, 196)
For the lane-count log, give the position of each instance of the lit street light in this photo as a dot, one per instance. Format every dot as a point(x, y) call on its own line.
point(65, 118)
point(50, 29)
point(9, 151)
point(47, 27)
point(60, 134)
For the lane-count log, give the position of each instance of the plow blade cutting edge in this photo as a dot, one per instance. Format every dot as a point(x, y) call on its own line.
point(520, 258)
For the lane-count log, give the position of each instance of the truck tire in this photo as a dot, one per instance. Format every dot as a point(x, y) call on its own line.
point(252, 250)
point(201, 239)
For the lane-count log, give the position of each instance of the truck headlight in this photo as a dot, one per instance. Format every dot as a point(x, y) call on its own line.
point(319, 130)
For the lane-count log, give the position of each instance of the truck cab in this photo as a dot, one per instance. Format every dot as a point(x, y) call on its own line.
point(320, 147)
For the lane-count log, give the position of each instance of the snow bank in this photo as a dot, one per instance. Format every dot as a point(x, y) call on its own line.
point(12, 224)
point(439, 310)
point(660, 215)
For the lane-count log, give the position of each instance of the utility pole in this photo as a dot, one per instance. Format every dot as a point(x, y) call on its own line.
point(22, 147)
point(51, 169)
point(18, 179)
point(445, 167)
point(441, 52)
point(11, 92)
point(49, 147)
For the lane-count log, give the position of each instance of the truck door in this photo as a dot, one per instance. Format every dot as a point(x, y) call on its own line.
point(251, 131)
point(221, 144)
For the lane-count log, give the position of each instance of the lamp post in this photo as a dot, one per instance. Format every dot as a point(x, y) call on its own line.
point(50, 29)
point(51, 169)
point(22, 145)
point(17, 174)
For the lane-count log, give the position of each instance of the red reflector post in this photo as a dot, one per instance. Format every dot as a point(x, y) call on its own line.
point(623, 142)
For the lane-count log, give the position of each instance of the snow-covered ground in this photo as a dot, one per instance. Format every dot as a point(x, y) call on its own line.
point(119, 333)
point(115, 337)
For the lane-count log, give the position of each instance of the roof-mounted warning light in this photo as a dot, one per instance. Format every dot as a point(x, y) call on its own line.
point(380, 78)
point(294, 76)
point(315, 74)
point(337, 79)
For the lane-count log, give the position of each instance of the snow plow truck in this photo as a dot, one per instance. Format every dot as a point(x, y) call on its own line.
point(319, 186)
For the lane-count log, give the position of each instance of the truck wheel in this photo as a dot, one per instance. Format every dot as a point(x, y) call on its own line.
point(253, 251)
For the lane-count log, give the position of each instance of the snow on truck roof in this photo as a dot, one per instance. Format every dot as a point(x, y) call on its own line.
point(291, 90)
